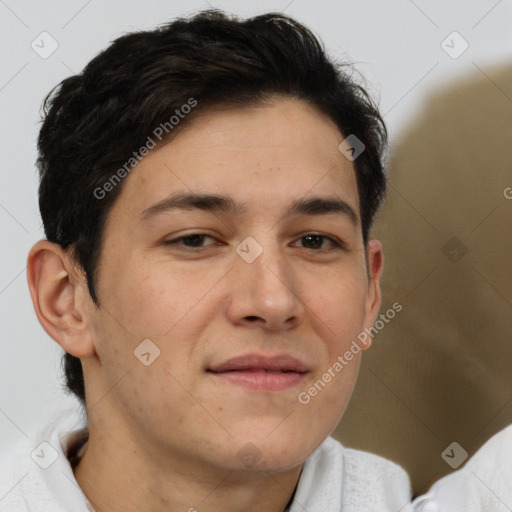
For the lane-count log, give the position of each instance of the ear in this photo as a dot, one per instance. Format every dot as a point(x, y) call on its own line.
point(60, 298)
point(373, 298)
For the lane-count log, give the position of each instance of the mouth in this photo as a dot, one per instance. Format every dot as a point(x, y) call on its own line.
point(260, 372)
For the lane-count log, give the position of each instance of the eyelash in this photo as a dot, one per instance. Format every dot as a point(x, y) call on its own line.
point(338, 244)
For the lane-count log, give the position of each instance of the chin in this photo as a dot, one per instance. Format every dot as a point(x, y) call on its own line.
point(277, 451)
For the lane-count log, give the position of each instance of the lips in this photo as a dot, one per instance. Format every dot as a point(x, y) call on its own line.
point(261, 372)
point(257, 362)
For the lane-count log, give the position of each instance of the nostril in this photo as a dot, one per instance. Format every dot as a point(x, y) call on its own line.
point(252, 318)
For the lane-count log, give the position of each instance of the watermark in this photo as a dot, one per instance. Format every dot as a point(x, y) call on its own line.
point(249, 455)
point(454, 249)
point(304, 397)
point(158, 133)
point(249, 249)
point(351, 147)
point(454, 45)
point(44, 455)
point(146, 352)
point(454, 455)
point(44, 45)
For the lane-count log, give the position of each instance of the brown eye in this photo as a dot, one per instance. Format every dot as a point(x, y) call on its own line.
point(192, 241)
point(315, 242)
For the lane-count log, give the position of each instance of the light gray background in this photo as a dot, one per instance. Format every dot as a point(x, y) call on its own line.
point(395, 44)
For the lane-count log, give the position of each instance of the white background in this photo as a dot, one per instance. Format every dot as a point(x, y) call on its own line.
point(395, 44)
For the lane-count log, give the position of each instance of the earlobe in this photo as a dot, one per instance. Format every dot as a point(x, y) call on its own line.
point(57, 298)
point(373, 299)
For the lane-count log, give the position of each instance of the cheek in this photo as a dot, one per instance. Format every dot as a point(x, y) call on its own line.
point(173, 313)
point(340, 308)
point(324, 400)
point(340, 319)
point(150, 304)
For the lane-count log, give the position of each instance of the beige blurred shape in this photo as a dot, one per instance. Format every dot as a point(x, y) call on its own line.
point(441, 371)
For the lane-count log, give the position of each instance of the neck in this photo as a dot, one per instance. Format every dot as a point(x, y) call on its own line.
point(116, 474)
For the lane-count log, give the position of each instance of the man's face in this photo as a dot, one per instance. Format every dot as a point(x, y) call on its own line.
point(193, 282)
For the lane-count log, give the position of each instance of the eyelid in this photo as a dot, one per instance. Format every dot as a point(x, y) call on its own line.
point(176, 240)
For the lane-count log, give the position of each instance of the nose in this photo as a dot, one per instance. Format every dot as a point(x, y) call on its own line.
point(264, 293)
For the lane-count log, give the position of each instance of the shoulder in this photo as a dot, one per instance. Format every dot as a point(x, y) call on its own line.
point(337, 478)
point(376, 481)
point(482, 484)
point(40, 476)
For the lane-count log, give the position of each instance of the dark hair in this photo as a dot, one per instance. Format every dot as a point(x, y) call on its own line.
point(94, 122)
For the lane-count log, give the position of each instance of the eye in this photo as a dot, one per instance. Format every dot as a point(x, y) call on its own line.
point(312, 241)
point(317, 242)
point(194, 240)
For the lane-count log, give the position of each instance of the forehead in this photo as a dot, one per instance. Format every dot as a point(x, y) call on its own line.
point(274, 152)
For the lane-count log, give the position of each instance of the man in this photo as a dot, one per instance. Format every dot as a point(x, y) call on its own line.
point(207, 191)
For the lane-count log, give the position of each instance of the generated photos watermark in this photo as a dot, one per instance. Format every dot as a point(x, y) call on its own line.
point(304, 397)
point(157, 134)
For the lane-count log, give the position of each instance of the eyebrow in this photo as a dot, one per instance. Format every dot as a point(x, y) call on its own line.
point(223, 204)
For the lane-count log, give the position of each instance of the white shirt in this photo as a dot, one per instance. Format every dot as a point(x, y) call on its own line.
point(484, 484)
point(334, 478)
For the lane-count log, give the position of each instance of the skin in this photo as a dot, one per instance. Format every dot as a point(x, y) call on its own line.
point(167, 436)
